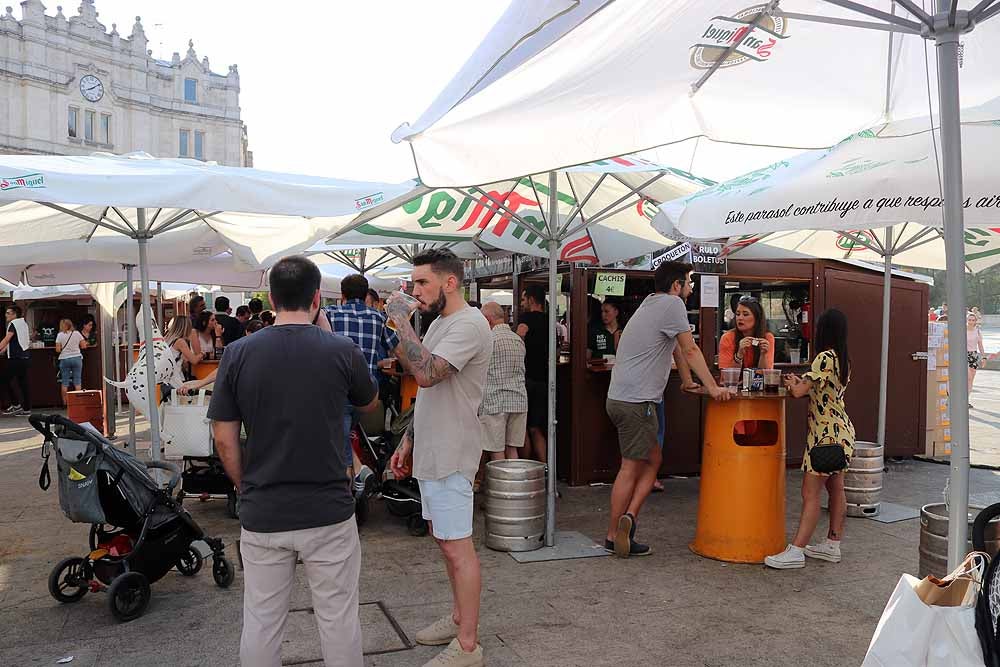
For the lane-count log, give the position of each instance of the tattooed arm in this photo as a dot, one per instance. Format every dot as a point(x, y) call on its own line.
point(426, 368)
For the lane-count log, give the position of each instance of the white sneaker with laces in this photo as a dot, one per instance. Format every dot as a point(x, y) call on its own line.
point(826, 550)
point(790, 559)
point(455, 656)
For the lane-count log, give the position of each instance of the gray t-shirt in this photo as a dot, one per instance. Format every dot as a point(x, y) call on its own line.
point(447, 432)
point(645, 351)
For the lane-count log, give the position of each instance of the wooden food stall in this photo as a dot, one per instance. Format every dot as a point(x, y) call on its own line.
point(587, 441)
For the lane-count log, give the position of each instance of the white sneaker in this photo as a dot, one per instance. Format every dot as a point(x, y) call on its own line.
point(826, 550)
point(456, 656)
point(438, 633)
point(12, 410)
point(790, 559)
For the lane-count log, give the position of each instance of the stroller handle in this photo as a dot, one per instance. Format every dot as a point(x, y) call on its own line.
point(175, 474)
point(41, 424)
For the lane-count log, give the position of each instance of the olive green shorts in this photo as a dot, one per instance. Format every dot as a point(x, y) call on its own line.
point(637, 426)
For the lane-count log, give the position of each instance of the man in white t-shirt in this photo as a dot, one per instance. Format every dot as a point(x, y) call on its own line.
point(445, 442)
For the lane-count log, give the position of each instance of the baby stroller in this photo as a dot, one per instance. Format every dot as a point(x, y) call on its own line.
point(138, 531)
point(402, 497)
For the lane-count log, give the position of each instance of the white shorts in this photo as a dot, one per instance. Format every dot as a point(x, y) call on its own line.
point(447, 504)
point(503, 430)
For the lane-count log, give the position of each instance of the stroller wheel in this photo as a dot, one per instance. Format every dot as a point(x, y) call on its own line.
point(128, 596)
point(416, 525)
point(233, 504)
point(190, 563)
point(222, 571)
point(68, 581)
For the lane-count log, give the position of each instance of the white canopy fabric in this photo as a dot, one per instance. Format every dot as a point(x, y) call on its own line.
point(26, 293)
point(217, 270)
point(615, 197)
point(569, 82)
point(258, 215)
point(883, 176)
point(982, 246)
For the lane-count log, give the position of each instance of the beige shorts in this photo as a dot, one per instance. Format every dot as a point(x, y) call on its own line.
point(503, 430)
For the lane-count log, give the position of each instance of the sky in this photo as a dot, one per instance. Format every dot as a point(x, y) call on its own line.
point(324, 84)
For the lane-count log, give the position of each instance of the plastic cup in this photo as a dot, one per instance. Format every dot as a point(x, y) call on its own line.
point(793, 354)
point(772, 380)
point(731, 378)
point(411, 301)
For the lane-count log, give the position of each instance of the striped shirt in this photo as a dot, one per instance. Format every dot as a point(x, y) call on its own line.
point(367, 328)
point(504, 390)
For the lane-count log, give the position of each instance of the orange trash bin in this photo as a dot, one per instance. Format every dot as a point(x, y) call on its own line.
point(741, 503)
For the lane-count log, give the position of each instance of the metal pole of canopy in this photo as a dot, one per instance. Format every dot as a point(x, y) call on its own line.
point(147, 332)
point(947, 39)
point(883, 387)
point(550, 505)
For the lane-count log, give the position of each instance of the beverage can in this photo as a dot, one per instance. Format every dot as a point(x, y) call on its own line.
point(757, 384)
point(747, 380)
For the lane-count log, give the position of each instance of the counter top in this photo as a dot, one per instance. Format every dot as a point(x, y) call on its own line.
point(745, 396)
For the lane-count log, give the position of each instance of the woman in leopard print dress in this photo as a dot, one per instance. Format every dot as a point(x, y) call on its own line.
point(825, 384)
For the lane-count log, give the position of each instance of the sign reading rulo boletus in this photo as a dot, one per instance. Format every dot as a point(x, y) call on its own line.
point(704, 257)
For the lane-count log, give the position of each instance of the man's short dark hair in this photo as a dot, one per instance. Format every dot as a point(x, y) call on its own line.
point(256, 306)
point(221, 304)
point(536, 293)
point(294, 282)
point(669, 272)
point(354, 286)
point(18, 313)
point(255, 326)
point(441, 260)
point(195, 300)
point(242, 310)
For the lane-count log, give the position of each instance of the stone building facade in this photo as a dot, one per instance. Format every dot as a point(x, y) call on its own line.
point(70, 87)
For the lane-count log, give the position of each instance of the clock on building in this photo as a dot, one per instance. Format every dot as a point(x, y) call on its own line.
point(91, 88)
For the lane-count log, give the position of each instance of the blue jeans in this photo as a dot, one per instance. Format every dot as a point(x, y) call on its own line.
point(350, 415)
point(72, 372)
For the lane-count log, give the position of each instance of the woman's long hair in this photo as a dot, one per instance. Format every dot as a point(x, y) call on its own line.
point(179, 329)
point(200, 322)
point(759, 327)
point(831, 334)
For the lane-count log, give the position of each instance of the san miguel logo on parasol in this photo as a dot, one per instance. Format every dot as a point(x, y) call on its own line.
point(752, 43)
point(26, 181)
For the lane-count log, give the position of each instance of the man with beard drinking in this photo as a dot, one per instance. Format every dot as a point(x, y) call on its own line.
point(444, 443)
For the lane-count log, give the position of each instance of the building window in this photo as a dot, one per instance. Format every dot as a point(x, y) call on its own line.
point(183, 151)
point(74, 118)
point(191, 91)
point(199, 145)
point(88, 125)
point(106, 128)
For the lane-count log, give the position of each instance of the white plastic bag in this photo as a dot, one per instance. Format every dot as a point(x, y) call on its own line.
point(914, 634)
point(185, 428)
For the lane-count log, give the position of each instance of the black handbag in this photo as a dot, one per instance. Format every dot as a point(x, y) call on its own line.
point(828, 456)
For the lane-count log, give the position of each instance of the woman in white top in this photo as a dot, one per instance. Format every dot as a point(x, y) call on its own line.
point(178, 339)
point(203, 336)
point(975, 349)
point(69, 345)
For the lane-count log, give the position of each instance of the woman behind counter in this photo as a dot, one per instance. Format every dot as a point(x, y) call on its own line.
point(749, 344)
point(603, 335)
point(69, 346)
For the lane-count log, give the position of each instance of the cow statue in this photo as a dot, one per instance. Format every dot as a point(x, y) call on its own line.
point(168, 368)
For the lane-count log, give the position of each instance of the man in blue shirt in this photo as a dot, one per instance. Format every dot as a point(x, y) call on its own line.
point(368, 329)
